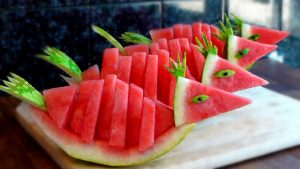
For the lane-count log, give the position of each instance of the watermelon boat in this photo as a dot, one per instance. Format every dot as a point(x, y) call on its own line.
point(112, 122)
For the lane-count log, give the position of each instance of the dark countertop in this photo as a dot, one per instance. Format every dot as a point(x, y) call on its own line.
point(19, 150)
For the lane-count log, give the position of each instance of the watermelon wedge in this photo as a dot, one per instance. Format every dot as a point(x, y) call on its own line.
point(195, 101)
point(164, 118)
point(154, 48)
point(197, 60)
point(197, 32)
point(188, 32)
point(253, 51)
point(92, 73)
point(124, 68)
point(163, 76)
point(217, 42)
point(178, 30)
point(163, 43)
point(166, 33)
point(150, 85)
point(229, 77)
point(175, 49)
point(137, 48)
point(205, 29)
point(138, 68)
point(61, 113)
point(110, 62)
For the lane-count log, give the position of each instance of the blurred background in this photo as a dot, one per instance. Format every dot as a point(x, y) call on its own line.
point(27, 26)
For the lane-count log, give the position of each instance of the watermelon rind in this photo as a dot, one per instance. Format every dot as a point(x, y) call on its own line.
point(232, 49)
point(246, 30)
point(100, 153)
point(209, 67)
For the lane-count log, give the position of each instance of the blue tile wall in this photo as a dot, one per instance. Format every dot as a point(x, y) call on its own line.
point(29, 25)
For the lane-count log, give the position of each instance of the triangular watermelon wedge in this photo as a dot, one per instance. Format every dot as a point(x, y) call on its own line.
point(195, 102)
point(263, 35)
point(245, 52)
point(92, 73)
point(224, 75)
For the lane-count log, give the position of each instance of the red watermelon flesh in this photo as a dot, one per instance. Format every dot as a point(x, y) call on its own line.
point(154, 48)
point(164, 118)
point(134, 115)
point(91, 112)
point(110, 62)
point(268, 36)
point(150, 85)
point(241, 80)
point(172, 87)
point(198, 60)
point(175, 49)
point(166, 33)
point(124, 68)
point(178, 31)
point(219, 101)
point(163, 76)
point(147, 125)
point(138, 68)
point(196, 27)
point(217, 42)
point(60, 108)
point(136, 48)
point(189, 75)
point(91, 73)
point(205, 28)
point(163, 43)
point(103, 129)
point(119, 115)
point(256, 50)
point(188, 32)
point(185, 47)
point(81, 104)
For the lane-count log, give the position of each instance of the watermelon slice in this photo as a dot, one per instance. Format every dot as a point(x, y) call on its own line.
point(150, 85)
point(103, 128)
point(166, 33)
point(154, 48)
point(264, 35)
point(110, 62)
point(197, 32)
point(134, 116)
point(188, 32)
point(224, 75)
point(91, 73)
point(172, 87)
point(137, 48)
point(255, 51)
point(119, 115)
point(217, 42)
point(138, 68)
point(124, 68)
point(185, 47)
point(163, 44)
point(195, 102)
point(205, 29)
point(198, 61)
point(164, 118)
point(163, 76)
point(60, 112)
point(178, 30)
point(175, 49)
point(147, 125)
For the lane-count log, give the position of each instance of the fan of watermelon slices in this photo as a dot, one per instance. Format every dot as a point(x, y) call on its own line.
point(140, 105)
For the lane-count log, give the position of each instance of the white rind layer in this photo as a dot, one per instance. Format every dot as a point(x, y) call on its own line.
point(209, 67)
point(246, 30)
point(232, 49)
point(180, 92)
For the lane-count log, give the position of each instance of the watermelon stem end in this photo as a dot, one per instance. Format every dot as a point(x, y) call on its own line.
point(62, 61)
point(179, 68)
point(20, 88)
point(110, 38)
point(131, 37)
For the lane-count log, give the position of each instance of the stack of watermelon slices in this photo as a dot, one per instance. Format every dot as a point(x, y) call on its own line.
point(134, 110)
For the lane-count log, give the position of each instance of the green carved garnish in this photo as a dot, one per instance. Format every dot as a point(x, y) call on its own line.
point(237, 24)
point(207, 47)
point(242, 53)
point(254, 37)
point(131, 37)
point(225, 31)
point(200, 99)
point(110, 38)
point(20, 88)
point(62, 61)
point(225, 73)
point(179, 68)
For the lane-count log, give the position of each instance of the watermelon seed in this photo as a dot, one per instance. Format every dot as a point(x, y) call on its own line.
point(225, 73)
point(200, 98)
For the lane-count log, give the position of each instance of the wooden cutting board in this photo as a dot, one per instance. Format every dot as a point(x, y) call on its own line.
point(269, 124)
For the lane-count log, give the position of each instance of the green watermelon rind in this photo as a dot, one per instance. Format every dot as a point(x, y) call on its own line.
point(232, 49)
point(96, 154)
point(209, 67)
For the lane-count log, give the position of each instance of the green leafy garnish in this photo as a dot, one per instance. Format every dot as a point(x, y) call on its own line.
point(20, 88)
point(110, 38)
point(238, 22)
point(179, 68)
point(131, 37)
point(62, 61)
point(242, 53)
point(254, 37)
point(225, 73)
point(225, 31)
point(207, 47)
point(200, 99)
